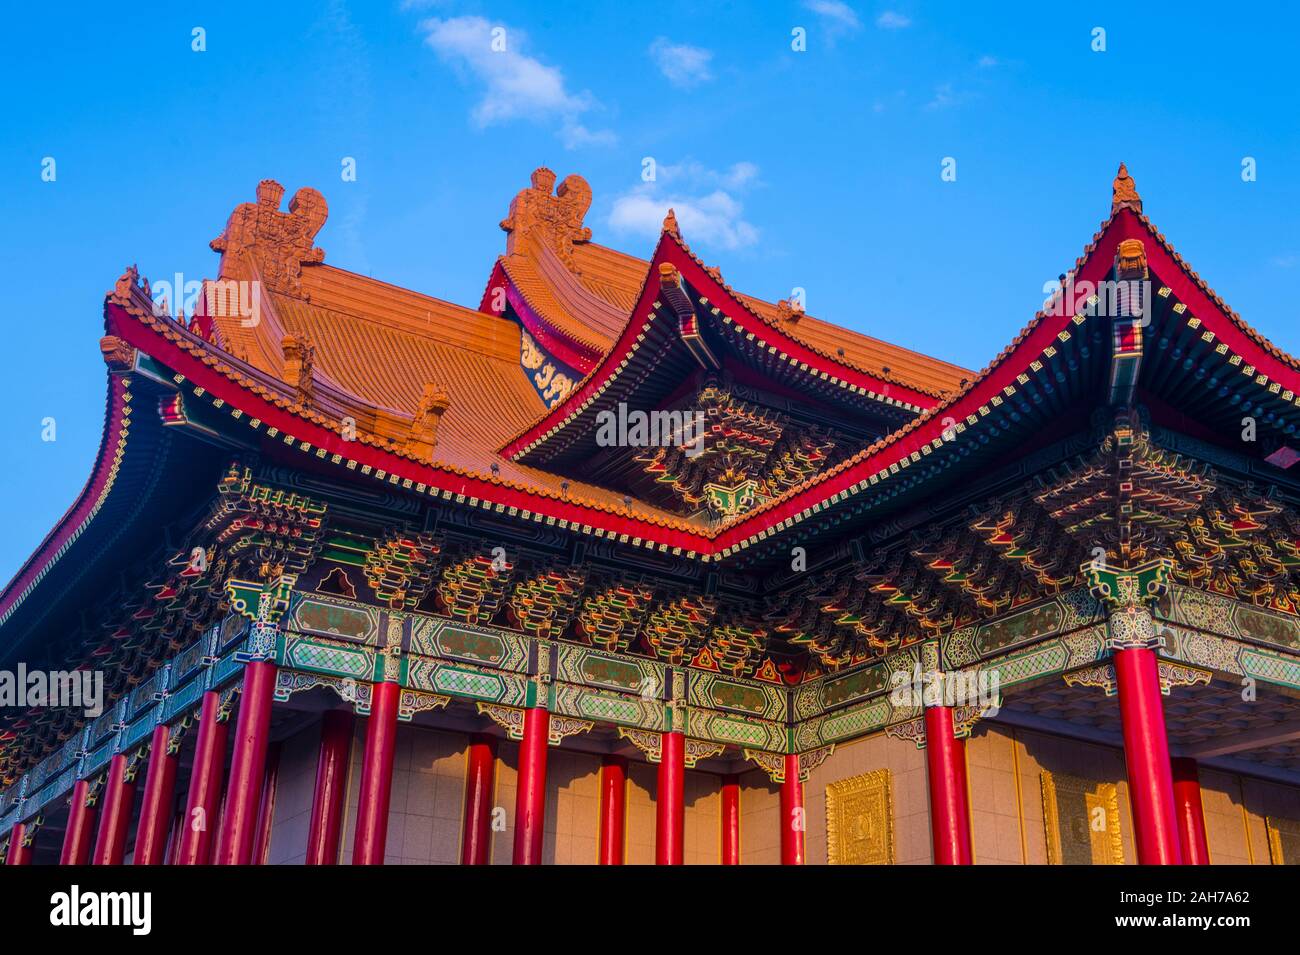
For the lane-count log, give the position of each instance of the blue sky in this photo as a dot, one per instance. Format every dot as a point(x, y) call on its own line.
point(817, 169)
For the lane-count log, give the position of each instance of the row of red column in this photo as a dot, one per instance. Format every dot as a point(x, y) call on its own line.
point(1165, 794)
point(242, 830)
point(1168, 820)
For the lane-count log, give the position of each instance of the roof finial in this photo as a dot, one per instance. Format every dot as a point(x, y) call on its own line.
point(670, 224)
point(423, 434)
point(555, 219)
point(1124, 194)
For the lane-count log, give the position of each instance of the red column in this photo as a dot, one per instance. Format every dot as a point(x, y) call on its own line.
point(1191, 816)
point(331, 779)
point(480, 774)
point(530, 792)
point(792, 815)
point(247, 766)
point(670, 814)
point(730, 820)
point(376, 776)
point(156, 805)
point(203, 801)
point(18, 853)
point(613, 810)
point(115, 815)
point(945, 757)
point(1146, 753)
point(78, 836)
point(266, 805)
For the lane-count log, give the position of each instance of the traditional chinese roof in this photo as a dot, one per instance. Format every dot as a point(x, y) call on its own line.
point(385, 384)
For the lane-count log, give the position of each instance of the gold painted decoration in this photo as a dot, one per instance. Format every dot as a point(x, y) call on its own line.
point(1283, 841)
point(561, 726)
point(698, 749)
point(860, 820)
point(771, 763)
point(1081, 819)
point(648, 742)
point(509, 718)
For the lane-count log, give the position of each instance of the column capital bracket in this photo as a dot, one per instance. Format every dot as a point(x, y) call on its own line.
point(1171, 675)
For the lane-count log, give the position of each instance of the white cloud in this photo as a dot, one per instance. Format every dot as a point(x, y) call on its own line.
point(892, 20)
point(692, 173)
point(703, 200)
point(682, 64)
point(945, 96)
point(988, 62)
point(837, 14)
point(515, 85)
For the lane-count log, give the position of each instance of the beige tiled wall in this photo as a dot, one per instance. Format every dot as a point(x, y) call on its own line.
point(1263, 799)
point(1005, 767)
point(996, 828)
point(295, 783)
point(760, 820)
point(910, 795)
point(424, 819)
point(703, 807)
point(1036, 753)
point(1226, 820)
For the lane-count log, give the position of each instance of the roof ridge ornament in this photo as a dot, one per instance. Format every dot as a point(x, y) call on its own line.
point(423, 436)
point(670, 224)
point(280, 242)
point(1124, 194)
point(299, 358)
point(555, 220)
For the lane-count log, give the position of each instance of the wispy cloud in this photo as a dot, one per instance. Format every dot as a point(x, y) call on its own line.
point(945, 96)
point(1287, 260)
point(682, 64)
point(515, 85)
point(893, 20)
point(988, 62)
point(835, 14)
point(703, 199)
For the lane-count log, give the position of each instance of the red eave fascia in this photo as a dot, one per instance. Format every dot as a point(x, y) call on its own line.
point(1094, 267)
point(1205, 305)
point(198, 372)
point(74, 520)
point(566, 348)
point(671, 251)
point(925, 429)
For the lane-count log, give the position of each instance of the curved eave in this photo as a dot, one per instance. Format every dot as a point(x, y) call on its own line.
point(91, 500)
point(145, 476)
point(577, 354)
point(1267, 360)
point(206, 373)
point(1024, 365)
point(732, 311)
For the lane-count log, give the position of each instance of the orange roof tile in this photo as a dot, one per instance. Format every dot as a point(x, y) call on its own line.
point(375, 346)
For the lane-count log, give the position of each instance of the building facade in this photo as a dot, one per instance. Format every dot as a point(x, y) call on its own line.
point(626, 566)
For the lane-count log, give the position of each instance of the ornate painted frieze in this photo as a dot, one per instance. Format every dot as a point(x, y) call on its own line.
point(339, 619)
point(1228, 617)
point(1066, 612)
point(722, 693)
